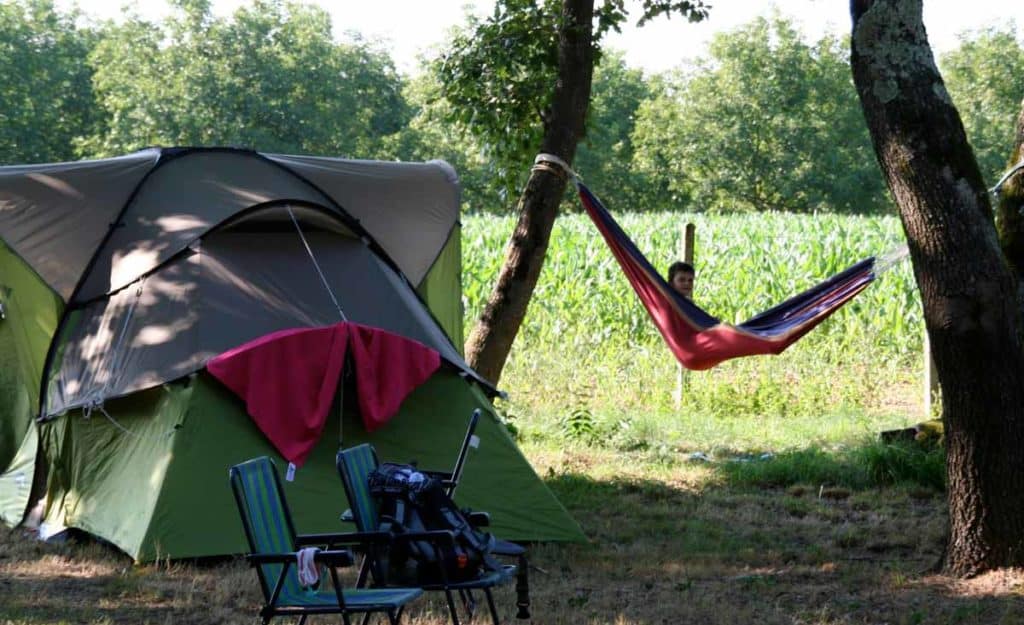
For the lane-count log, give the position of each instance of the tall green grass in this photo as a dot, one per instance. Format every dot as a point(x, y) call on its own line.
point(869, 464)
point(587, 347)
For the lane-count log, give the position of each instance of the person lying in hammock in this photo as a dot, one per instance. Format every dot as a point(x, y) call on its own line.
point(701, 341)
point(681, 276)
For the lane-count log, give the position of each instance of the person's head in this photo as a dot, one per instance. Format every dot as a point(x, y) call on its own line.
point(680, 278)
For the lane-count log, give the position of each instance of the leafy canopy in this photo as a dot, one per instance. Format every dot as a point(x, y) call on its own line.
point(498, 73)
point(985, 77)
point(765, 121)
point(270, 77)
point(46, 96)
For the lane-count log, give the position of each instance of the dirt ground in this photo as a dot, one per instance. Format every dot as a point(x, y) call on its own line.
point(675, 548)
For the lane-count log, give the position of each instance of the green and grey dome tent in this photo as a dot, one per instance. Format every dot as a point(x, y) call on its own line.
point(120, 278)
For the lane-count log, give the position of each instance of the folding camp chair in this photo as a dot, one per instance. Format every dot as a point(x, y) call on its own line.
point(274, 547)
point(354, 466)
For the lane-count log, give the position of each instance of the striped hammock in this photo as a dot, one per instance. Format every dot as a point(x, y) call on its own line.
point(700, 341)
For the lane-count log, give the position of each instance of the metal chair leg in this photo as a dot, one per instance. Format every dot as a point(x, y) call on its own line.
point(451, 606)
point(364, 570)
point(468, 602)
point(490, 605)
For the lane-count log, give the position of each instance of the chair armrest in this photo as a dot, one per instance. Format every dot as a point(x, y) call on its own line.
point(442, 476)
point(479, 519)
point(270, 558)
point(343, 538)
point(341, 557)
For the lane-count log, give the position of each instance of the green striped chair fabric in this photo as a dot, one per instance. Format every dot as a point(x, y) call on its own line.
point(354, 466)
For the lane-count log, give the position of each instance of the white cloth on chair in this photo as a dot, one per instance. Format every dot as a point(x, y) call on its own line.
point(309, 573)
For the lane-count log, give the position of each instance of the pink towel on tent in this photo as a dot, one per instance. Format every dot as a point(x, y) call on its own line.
point(388, 368)
point(288, 379)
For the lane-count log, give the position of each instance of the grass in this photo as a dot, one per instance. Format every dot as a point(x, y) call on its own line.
point(670, 540)
point(869, 465)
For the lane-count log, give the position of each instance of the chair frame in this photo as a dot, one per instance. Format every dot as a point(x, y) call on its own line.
point(332, 558)
point(438, 537)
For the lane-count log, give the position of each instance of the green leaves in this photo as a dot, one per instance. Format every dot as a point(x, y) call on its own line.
point(497, 76)
point(270, 77)
point(607, 150)
point(985, 77)
point(46, 98)
point(693, 10)
point(764, 122)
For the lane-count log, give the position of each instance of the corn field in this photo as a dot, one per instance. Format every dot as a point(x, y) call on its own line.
point(588, 354)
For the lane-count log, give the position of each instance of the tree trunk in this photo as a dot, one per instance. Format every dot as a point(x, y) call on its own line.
point(489, 343)
point(967, 288)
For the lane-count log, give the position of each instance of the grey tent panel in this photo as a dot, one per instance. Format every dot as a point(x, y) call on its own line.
point(288, 292)
point(234, 287)
point(408, 208)
point(55, 216)
point(181, 201)
point(137, 338)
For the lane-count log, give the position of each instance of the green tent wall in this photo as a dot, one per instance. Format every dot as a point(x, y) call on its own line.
point(31, 310)
point(152, 478)
point(441, 289)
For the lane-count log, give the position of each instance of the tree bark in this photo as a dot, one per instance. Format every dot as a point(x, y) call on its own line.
point(490, 342)
point(967, 288)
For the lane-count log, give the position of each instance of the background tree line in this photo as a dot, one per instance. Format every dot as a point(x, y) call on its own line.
point(764, 120)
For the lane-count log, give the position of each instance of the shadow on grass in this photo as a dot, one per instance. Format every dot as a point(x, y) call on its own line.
point(660, 550)
point(729, 553)
point(57, 596)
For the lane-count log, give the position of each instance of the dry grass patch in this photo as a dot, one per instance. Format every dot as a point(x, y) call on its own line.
point(668, 543)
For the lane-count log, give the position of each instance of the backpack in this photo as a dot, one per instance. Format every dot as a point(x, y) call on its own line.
point(411, 501)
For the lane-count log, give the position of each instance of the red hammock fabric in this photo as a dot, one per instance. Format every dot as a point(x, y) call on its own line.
point(700, 341)
point(288, 379)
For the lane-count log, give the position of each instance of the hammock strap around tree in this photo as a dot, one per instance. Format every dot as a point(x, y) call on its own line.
point(697, 339)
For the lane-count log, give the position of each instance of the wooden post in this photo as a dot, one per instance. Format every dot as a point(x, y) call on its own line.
point(689, 233)
point(931, 378)
point(688, 236)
